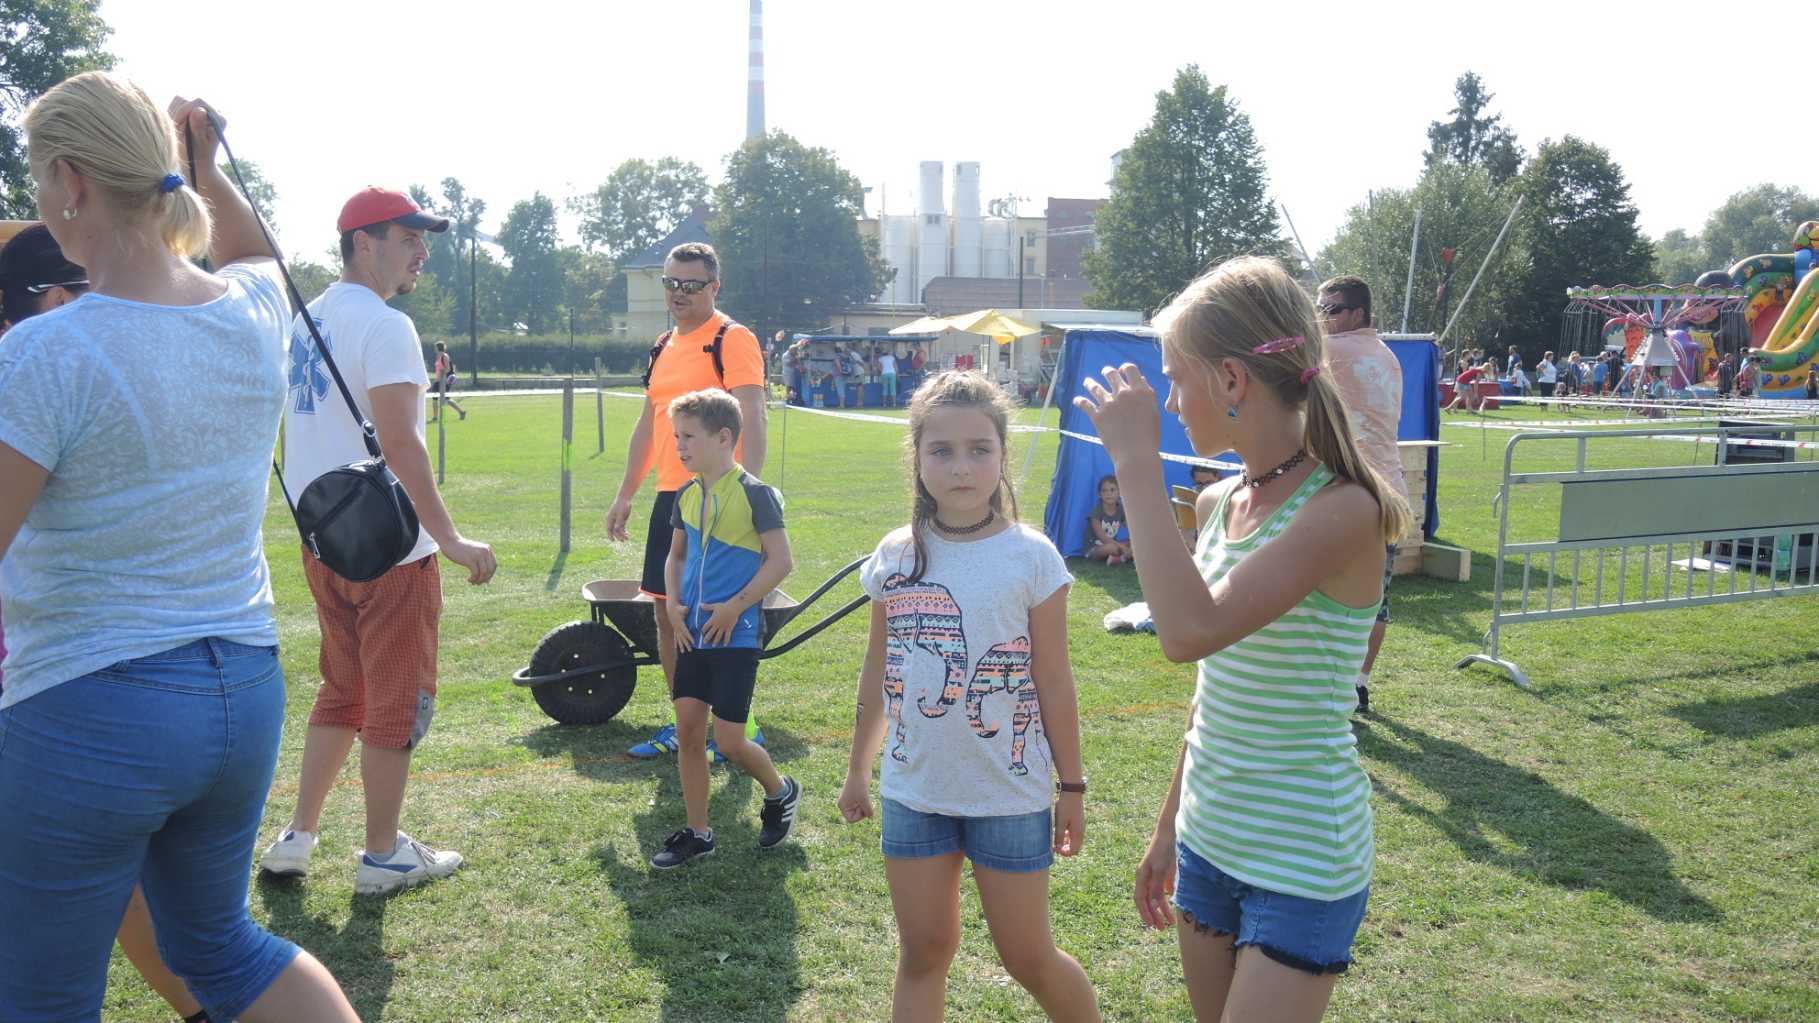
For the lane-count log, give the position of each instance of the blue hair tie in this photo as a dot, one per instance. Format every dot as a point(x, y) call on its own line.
point(171, 183)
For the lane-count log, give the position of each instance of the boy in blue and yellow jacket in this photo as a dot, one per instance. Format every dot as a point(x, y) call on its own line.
point(728, 550)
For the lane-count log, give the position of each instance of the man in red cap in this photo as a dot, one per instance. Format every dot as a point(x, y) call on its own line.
point(379, 638)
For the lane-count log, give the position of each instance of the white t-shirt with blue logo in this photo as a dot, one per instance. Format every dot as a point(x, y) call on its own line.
point(374, 345)
point(156, 424)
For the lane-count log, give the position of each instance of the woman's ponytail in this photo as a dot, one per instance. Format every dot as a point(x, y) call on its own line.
point(184, 221)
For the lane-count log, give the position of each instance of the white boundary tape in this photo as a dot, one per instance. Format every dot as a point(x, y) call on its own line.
point(863, 417)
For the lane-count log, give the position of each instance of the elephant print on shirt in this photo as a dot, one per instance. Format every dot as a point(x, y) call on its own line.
point(1007, 667)
point(921, 615)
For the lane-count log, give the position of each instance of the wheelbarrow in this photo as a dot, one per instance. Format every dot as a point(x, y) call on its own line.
point(583, 673)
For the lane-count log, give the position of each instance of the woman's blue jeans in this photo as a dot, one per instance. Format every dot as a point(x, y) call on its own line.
point(151, 771)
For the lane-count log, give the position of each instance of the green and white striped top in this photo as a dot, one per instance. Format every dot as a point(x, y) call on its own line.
point(1273, 793)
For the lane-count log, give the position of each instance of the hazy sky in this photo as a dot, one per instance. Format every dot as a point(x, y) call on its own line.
point(537, 95)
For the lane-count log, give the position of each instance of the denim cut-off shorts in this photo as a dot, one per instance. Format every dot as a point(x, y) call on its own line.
point(1306, 934)
point(1018, 844)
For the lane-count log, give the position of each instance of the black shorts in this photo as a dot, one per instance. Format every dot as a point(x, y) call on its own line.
point(721, 677)
point(657, 543)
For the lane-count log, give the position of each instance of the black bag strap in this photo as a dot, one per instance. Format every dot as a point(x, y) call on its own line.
point(716, 350)
point(368, 434)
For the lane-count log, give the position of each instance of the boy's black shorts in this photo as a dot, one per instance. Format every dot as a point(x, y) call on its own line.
point(721, 677)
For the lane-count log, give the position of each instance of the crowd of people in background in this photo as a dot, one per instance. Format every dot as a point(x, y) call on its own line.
point(845, 367)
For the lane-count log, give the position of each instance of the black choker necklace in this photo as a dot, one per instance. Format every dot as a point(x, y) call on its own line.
point(1295, 459)
point(990, 515)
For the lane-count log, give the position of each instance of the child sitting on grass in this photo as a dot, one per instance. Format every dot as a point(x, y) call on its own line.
point(1108, 539)
point(728, 550)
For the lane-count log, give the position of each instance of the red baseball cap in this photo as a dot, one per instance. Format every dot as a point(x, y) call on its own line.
point(374, 205)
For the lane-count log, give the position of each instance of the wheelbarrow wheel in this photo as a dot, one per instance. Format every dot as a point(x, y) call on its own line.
point(583, 699)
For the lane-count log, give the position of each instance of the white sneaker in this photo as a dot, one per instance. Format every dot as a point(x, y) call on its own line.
point(289, 855)
point(410, 863)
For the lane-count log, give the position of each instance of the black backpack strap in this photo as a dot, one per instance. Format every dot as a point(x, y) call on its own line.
point(650, 364)
point(715, 350)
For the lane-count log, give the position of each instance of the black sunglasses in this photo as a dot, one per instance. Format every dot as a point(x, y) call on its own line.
point(1334, 310)
point(39, 289)
point(687, 287)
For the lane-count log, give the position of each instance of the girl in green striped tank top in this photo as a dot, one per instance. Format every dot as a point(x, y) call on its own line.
point(1265, 834)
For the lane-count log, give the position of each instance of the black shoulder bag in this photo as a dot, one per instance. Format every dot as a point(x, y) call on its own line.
point(355, 518)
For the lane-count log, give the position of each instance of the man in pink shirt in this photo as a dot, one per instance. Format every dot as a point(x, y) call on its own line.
point(1370, 383)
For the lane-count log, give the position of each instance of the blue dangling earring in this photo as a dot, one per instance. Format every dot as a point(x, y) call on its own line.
point(1231, 412)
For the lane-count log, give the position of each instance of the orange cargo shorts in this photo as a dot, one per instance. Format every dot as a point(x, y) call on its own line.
point(379, 643)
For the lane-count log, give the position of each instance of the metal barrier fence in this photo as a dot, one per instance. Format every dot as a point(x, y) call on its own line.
point(1623, 532)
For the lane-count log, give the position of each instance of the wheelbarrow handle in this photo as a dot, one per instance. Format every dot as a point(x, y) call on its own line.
point(809, 633)
point(523, 677)
point(822, 590)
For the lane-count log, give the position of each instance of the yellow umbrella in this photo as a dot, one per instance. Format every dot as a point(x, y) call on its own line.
point(991, 323)
point(926, 325)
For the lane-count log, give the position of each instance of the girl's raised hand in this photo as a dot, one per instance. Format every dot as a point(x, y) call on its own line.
point(1123, 411)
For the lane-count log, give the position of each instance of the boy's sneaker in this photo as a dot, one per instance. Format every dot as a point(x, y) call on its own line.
point(410, 863)
point(664, 741)
point(289, 855)
point(683, 847)
point(778, 817)
point(757, 739)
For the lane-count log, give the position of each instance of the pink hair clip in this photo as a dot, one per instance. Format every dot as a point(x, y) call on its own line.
point(1281, 344)
point(1308, 374)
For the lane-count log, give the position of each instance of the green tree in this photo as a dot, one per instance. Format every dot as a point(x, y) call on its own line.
point(1472, 137)
point(1461, 210)
point(787, 229)
point(534, 287)
point(42, 42)
point(449, 251)
point(1756, 220)
point(313, 278)
point(259, 190)
point(1578, 227)
point(1190, 191)
point(585, 279)
point(638, 205)
point(1680, 258)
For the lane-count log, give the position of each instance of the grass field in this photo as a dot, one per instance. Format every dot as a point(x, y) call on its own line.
point(1635, 838)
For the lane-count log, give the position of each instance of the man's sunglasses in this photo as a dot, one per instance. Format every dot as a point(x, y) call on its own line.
point(39, 289)
point(684, 285)
point(1336, 308)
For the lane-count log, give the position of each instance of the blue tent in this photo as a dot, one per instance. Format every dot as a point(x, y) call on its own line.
point(1079, 465)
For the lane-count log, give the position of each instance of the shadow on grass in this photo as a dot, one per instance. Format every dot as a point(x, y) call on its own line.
point(720, 931)
point(598, 752)
point(1561, 839)
point(1116, 581)
point(355, 954)
point(554, 578)
point(1752, 716)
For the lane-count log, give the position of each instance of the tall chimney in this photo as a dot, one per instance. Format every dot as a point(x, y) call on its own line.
point(754, 91)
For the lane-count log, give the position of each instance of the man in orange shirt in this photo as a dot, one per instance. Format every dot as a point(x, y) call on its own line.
point(706, 349)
